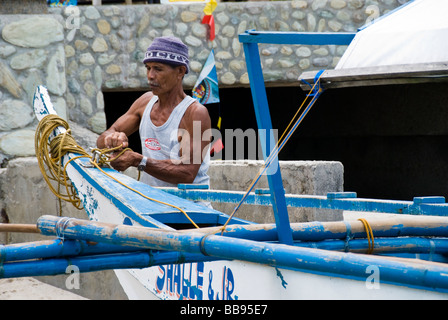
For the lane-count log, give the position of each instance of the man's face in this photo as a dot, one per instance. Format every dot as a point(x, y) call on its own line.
point(162, 77)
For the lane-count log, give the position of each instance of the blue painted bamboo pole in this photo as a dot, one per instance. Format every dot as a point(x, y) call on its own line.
point(309, 233)
point(303, 38)
point(434, 206)
point(57, 248)
point(318, 231)
point(267, 141)
point(141, 259)
point(354, 266)
point(382, 245)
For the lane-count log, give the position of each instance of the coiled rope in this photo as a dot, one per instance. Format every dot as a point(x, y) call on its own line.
point(49, 157)
point(50, 152)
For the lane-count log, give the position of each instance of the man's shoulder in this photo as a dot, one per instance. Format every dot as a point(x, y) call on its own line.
point(140, 104)
point(197, 112)
point(196, 108)
point(145, 98)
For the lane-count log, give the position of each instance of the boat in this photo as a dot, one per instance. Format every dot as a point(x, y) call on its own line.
point(163, 245)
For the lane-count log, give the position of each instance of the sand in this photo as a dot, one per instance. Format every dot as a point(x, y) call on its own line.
point(31, 289)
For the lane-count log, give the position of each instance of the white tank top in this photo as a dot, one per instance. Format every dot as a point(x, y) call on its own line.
point(161, 143)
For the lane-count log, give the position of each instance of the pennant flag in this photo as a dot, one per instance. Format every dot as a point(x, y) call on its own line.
point(206, 88)
point(208, 18)
point(217, 146)
point(211, 22)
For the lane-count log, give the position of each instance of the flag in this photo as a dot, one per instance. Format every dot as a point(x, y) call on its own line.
point(206, 88)
point(208, 17)
point(210, 7)
point(60, 3)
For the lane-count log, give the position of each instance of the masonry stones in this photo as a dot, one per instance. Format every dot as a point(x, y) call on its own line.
point(36, 32)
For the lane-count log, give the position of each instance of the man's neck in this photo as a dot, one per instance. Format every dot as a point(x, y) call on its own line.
point(171, 100)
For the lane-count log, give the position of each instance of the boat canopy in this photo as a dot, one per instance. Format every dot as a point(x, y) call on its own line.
point(407, 45)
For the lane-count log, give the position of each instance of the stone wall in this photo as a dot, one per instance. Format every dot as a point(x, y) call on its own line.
point(79, 52)
point(27, 60)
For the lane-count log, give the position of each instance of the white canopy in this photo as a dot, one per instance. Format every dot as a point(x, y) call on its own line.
point(415, 33)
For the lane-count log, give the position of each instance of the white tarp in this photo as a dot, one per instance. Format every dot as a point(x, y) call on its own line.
point(416, 33)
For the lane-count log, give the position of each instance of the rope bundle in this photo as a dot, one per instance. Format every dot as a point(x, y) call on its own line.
point(50, 153)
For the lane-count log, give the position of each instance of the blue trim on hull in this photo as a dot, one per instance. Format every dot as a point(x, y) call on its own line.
point(135, 206)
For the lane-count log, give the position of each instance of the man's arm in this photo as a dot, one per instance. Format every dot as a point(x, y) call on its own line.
point(117, 134)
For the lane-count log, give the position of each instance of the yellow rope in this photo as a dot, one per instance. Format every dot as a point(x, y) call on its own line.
point(50, 154)
point(369, 233)
point(49, 157)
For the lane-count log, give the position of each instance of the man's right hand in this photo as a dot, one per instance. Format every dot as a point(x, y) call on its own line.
point(116, 139)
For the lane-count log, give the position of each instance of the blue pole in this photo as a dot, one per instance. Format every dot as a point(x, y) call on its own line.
point(306, 232)
point(382, 245)
point(55, 266)
point(304, 38)
point(428, 276)
point(338, 230)
point(267, 141)
point(57, 248)
point(430, 206)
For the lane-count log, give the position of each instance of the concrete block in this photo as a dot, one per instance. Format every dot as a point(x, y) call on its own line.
point(299, 177)
point(25, 197)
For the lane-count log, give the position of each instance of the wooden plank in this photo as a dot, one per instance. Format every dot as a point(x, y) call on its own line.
point(381, 75)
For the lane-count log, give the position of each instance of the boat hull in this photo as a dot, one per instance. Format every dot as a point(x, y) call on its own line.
point(238, 280)
point(226, 280)
point(121, 203)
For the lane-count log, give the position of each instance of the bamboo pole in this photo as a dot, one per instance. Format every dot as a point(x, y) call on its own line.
point(58, 248)
point(317, 231)
point(90, 263)
point(11, 227)
point(423, 275)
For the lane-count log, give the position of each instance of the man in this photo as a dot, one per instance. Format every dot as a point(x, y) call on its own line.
point(174, 127)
